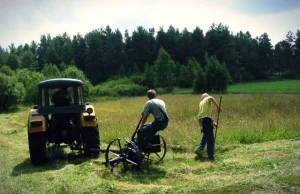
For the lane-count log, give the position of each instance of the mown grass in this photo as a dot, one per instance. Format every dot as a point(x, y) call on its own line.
point(258, 150)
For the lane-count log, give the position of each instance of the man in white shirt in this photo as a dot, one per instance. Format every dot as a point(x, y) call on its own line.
point(157, 108)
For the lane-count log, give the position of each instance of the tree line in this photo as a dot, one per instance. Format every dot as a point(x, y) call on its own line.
point(105, 53)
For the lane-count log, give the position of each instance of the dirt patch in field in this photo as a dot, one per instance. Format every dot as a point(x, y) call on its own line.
point(4, 142)
point(272, 154)
point(140, 186)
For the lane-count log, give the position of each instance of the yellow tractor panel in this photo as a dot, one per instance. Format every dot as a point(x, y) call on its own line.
point(88, 120)
point(36, 122)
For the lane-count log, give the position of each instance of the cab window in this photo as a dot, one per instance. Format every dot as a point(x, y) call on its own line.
point(61, 96)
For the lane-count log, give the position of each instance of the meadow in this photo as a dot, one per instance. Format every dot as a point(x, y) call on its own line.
point(264, 87)
point(284, 86)
point(257, 150)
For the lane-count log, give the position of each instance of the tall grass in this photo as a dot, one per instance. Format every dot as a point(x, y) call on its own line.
point(245, 118)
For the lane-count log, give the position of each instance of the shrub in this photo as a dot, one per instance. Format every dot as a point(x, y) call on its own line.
point(130, 90)
point(11, 92)
point(247, 76)
point(103, 90)
point(113, 82)
point(51, 71)
point(237, 78)
point(6, 70)
point(30, 80)
point(74, 73)
point(119, 87)
point(137, 79)
point(289, 74)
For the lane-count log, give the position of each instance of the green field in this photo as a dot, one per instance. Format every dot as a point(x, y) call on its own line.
point(279, 87)
point(292, 86)
point(257, 150)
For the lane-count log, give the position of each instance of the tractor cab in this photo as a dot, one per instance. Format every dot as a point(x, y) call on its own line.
point(60, 96)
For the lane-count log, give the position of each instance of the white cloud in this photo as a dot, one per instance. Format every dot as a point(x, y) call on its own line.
point(277, 25)
point(81, 17)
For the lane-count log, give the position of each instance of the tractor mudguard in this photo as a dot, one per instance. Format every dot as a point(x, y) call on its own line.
point(88, 120)
point(36, 122)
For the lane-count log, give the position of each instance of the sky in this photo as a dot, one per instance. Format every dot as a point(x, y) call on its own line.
point(22, 21)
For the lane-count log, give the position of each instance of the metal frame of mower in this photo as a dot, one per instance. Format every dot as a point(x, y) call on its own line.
point(123, 154)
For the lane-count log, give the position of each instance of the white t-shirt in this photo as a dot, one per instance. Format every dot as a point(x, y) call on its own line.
point(151, 107)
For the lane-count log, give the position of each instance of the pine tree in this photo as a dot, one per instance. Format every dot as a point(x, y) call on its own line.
point(284, 56)
point(185, 80)
point(13, 62)
point(3, 56)
point(28, 61)
point(41, 52)
point(197, 45)
point(220, 43)
point(164, 70)
point(193, 68)
point(135, 69)
point(79, 51)
point(149, 77)
point(200, 82)
point(141, 47)
point(217, 75)
point(297, 53)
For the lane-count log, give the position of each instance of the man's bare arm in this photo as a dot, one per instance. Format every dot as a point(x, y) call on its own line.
point(215, 102)
point(144, 119)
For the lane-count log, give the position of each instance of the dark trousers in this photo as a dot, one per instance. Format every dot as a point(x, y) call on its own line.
point(147, 132)
point(207, 127)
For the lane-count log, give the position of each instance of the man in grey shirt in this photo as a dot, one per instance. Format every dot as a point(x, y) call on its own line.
point(157, 108)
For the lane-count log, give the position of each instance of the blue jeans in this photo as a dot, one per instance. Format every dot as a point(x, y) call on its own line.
point(147, 132)
point(207, 127)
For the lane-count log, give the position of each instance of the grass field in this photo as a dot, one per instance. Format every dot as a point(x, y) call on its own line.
point(279, 87)
point(257, 150)
point(291, 86)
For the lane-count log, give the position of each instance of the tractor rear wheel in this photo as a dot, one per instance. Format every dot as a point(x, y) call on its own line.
point(91, 141)
point(37, 147)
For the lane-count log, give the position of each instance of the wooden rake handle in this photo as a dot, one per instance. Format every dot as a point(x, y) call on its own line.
point(219, 110)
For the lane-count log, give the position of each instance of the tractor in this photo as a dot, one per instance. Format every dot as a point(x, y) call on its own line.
point(62, 119)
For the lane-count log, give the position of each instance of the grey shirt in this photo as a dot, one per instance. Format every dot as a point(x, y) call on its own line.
point(151, 108)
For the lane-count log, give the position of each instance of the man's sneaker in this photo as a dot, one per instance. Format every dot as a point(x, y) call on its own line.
point(198, 152)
